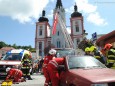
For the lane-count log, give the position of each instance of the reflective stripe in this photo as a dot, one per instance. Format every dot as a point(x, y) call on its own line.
point(97, 57)
point(54, 63)
point(111, 61)
point(111, 56)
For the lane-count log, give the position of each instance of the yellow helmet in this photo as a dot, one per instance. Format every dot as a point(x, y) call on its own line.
point(87, 49)
point(92, 48)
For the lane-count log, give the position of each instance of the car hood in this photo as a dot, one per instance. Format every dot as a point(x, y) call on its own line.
point(10, 62)
point(95, 75)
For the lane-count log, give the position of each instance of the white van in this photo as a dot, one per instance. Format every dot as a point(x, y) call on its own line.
point(12, 59)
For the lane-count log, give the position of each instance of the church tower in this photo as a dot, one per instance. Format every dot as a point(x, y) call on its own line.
point(77, 27)
point(42, 37)
point(58, 38)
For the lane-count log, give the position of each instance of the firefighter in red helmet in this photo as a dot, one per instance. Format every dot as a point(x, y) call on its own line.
point(53, 67)
point(51, 55)
point(110, 53)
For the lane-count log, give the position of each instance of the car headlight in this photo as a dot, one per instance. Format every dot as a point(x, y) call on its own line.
point(99, 85)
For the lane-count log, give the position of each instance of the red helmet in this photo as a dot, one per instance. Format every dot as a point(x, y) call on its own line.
point(108, 46)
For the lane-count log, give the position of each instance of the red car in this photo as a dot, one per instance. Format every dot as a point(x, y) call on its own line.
point(85, 71)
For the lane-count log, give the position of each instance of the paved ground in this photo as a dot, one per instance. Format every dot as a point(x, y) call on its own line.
point(38, 80)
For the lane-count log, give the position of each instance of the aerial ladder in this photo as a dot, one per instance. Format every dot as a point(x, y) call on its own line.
point(68, 40)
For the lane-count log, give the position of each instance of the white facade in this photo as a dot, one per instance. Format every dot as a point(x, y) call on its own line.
point(45, 38)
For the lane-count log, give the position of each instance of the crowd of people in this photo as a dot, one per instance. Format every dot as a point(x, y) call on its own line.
point(50, 64)
point(105, 55)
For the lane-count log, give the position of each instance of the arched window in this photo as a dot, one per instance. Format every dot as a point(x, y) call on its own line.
point(58, 33)
point(58, 44)
point(40, 31)
point(76, 26)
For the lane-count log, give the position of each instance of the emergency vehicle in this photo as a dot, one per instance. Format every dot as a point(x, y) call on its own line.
point(12, 59)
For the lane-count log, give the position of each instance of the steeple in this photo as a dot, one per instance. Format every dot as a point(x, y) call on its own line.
point(75, 13)
point(59, 4)
point(75, 8)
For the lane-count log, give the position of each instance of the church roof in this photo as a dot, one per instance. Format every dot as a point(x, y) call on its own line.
point(76, 13)
point(43, 18)
point(59, 4)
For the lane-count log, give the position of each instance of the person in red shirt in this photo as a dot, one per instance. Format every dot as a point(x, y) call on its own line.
point(53, 67)
point(14, 74)
point(51, 55)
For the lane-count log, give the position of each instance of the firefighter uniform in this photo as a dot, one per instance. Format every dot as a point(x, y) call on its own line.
point(47, 58)
point(46, 74)
point(14, 74)
point(111, 58)
point(98, 55)
point(26, 64)
point(53, 66)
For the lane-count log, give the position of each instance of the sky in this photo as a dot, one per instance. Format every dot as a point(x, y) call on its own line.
point(18, 17)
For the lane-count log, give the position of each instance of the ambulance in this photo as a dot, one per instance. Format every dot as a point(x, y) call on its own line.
point(12, 59)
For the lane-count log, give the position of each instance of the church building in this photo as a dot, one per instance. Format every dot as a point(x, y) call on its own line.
point(44, 36)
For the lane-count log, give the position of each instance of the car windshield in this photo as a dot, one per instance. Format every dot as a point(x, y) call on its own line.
point(65, 52)
point(12, 56)
point(84, 62)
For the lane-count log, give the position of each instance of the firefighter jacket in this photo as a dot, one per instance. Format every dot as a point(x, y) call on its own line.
point(98, 55)
point(111, 56)
point(47, 59)
point(26, 63)
point(54, 64)
point(14, 74)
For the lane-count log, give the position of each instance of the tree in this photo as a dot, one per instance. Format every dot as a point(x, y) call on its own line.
point(2, 44)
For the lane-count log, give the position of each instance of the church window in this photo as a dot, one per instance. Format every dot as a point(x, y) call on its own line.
point(40, 32)
point(58, 44)
point(49, 43)
point(76, 26)
point(58, 33)
point(40, 45)
point(77, 29)
point(78, 40)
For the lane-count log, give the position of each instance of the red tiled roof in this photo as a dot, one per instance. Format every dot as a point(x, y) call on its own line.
point(106, 36)
point(7, 48)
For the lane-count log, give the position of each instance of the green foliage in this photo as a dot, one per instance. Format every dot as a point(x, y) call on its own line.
point(3, 44)
point(85, 43)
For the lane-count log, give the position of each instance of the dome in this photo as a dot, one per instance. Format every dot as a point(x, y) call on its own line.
point(76, 14)
point(43, 18)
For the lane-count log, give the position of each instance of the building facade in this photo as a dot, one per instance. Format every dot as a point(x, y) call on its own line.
point(44, 37)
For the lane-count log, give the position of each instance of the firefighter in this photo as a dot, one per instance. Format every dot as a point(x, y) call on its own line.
point(110, 53)
point(87, 51)
point(97, 54)
point(53, 69)
point(14, 74)
point(26, 66)
point(51, 55)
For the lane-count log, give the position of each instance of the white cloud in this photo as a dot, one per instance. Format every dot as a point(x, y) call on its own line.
point(22, 10)
point(90, 10)
point(96, 19)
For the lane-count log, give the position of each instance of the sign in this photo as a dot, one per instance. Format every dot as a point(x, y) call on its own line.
point(94, 36)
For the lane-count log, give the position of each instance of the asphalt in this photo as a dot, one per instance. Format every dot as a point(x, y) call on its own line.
point(38, 80)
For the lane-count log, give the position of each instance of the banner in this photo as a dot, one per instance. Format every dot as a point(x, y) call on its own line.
point(55, 23)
